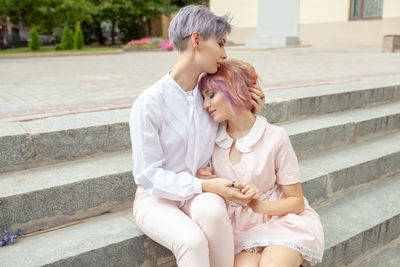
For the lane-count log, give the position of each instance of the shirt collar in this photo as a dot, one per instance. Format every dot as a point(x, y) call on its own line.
point(244, 145)
point(176, 86)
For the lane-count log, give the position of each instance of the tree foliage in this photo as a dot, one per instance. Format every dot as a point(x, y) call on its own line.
point(67, 41)
point(131, 17)
point(78, 37)
point(34, 44)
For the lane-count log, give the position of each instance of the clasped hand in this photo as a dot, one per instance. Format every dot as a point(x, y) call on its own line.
point(241, 193)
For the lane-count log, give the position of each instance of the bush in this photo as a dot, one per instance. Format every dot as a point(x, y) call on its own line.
point(34, 44)
point(59, 47)
point(67, 40)
point(78, 37)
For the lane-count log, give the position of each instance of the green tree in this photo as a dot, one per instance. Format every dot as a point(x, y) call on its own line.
point(47, 15)
point(148, 10)
point(182, 3)
point(138, 24)
point(70, 11)
point(22, 12)
point(113, 11)
point(67, 40)
point(34, 44)
point(78, 37)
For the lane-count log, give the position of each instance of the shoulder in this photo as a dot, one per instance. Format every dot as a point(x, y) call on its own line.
point(275, 131)
point(148, 103)
point(276, 135)
point(151, 96)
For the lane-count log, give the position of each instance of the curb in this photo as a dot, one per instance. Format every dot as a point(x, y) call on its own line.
point(62, 54)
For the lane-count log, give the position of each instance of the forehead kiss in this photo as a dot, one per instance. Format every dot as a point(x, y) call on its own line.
point(233, 79)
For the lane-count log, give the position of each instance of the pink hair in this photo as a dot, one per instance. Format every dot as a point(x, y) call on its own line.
point(233, 78)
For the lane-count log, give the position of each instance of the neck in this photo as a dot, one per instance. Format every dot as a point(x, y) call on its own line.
point(240, 124)
point(184, 72)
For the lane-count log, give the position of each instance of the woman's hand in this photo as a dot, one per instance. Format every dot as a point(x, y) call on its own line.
point(223, 188)
point(256, 204)
point(205, 173)
point(257, 98)
point(292, 203)
point(250, 189)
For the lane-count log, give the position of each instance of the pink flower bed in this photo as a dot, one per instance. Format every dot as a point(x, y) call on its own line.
point(164, 44)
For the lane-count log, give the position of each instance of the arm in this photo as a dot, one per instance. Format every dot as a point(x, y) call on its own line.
point(288, 176)
point(148, 157)
point(293, 202)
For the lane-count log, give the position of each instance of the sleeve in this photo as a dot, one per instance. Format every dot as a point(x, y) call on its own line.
point(286, 165)
point(148, 157)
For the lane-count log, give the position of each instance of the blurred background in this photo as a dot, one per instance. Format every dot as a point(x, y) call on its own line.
point(103, 22)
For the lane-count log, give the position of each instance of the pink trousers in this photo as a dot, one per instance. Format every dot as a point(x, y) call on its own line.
point(198, 234)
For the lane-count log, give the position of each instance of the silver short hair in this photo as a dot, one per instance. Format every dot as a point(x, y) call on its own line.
point(196, 18)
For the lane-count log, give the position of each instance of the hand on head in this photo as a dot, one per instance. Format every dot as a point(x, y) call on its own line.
point(257, 99)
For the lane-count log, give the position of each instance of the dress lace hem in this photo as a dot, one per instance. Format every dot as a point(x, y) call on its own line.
point(312, 256)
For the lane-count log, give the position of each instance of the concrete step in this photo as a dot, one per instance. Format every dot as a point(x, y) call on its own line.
point(387, 256)
point(48, 196)
point(107, 240)
point(290, 104)
point(46, 141)
point(353, 225)
point(40, 142)
point(359, 222)
point(328, 174)
point(331, 131)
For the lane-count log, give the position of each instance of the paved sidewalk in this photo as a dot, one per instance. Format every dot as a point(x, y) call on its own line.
point(32, 88)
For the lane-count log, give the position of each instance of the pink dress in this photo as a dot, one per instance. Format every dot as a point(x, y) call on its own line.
point(268, 161)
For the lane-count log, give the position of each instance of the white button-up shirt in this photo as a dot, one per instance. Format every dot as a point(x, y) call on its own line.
point(172, 137)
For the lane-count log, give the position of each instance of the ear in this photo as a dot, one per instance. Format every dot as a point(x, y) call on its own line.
point(195, 40)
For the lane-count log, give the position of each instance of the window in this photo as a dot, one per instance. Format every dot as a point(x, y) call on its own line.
point(366, 9)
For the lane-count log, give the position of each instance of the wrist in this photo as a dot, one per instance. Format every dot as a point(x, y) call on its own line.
point(206, 185)
point(264, 207)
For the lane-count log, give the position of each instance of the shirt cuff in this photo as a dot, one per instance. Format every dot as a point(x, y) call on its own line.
point(198, 185)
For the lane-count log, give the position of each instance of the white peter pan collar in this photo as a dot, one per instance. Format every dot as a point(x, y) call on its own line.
point(244, 144)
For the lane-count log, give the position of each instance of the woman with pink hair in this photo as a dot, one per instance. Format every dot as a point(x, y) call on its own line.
point(172, 137)
point(278, 227)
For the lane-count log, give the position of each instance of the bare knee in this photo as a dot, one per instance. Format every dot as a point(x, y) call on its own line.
point(247, 259)
point(274, 263)
point(280, 256)
point(271, 264)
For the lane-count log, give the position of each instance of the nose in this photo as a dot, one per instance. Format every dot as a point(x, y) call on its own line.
point(224, 56)
point(206, 104)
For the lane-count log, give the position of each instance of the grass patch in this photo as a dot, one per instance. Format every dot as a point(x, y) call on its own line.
point(51, 49)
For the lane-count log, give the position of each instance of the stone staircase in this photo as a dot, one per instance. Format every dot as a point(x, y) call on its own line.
point(77, 168)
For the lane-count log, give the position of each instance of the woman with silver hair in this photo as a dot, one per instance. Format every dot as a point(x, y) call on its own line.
point(173, 137)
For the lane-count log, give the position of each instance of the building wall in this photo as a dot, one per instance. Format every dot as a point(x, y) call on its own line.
point(323, 11)
point(159, 25)
point(326, 22)
point(391, 9)
point(321, 22)
point(244, 17)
